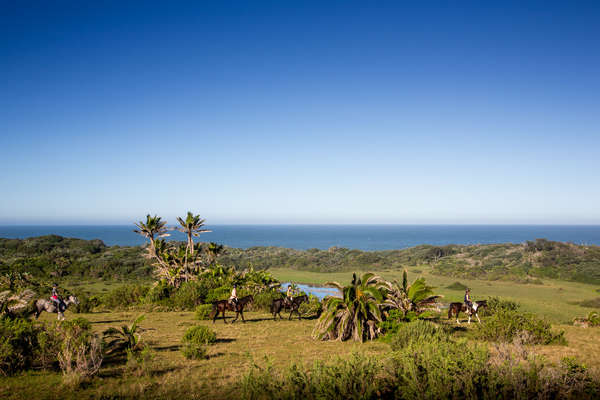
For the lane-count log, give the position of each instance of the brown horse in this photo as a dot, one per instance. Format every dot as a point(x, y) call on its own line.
point(222, 305)
point(279, 304)
point(456, 308)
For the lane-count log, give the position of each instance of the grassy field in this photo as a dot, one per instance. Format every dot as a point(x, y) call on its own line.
point(263, 342)
point(555, 300)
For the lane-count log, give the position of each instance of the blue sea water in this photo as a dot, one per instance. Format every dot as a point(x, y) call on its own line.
point(363, 237)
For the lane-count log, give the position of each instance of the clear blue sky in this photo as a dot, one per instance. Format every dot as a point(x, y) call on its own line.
point(300, 112)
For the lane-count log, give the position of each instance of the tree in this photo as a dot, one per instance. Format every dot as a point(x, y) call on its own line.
point(213, 250)
point(355, 314)
point(152, 229)
point(191, 226)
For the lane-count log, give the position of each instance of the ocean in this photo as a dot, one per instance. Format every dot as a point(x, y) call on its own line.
point(363, 237)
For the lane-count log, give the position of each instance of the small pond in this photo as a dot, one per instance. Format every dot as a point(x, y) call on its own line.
point(318, 291)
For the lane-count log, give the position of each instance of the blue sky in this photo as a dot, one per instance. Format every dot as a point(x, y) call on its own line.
point(300, 112)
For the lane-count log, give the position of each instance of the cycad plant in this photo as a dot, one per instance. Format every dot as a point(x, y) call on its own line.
point(356, 314)
point(128, 338)
point(411, 299)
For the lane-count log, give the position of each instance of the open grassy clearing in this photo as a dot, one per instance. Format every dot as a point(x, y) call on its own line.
point(554, 299)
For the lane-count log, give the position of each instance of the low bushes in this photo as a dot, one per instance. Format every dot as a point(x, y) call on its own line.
point(312, 308)
point(18, 342)
point(505, 325)
point(124, 296)
point(195, 339)
point(189, 295)
point(203, 312)
point(80, 354)
point(407, 333)
point(425, 370)
point(495, 304)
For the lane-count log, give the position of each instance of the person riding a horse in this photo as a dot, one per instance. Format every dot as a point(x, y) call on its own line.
point(289, 295)
point(59, 303)
point(468, 301)
point(233, 299)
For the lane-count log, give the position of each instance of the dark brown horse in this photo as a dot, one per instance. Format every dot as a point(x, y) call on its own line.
point(456, 308)
point(279, 304)
point(222, 305)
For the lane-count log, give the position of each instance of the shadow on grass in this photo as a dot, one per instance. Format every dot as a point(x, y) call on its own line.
point(109, 321)
point(175, 347)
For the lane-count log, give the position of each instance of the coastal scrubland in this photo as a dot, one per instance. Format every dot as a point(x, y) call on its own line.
point(541, 353)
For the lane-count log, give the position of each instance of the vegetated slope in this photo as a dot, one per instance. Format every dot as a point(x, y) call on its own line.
point(521, 262)
point(57, 256)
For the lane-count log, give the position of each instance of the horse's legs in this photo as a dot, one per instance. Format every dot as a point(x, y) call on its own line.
point(477, 315)
point(457, 313)
point(242, 314)
point(224, 317)
point(469, 318)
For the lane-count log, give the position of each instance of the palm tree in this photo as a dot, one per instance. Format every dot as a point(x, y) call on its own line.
point(355, 314)
point(152, 229)
point(416, 297)
point(191, 226)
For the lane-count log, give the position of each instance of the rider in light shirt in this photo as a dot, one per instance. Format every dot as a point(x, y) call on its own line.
point(233, 299)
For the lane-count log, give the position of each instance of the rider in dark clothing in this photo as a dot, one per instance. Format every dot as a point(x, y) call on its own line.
point(468, 301)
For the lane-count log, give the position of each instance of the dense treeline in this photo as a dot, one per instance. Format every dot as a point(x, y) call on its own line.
point(55, 256)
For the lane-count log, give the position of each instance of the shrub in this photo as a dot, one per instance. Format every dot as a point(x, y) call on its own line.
point(312, 308)
point(203, 311)
point(592, 303)
point(262, 301)
point(456, 286)
point(407, 333)
point(18, 341)
point(140, 363)
point(220, 293)
point(352, 378)
point(124, 296)
point(194, 340)
point(199, 335)
point(80, 354)
point(505, 325)
point(86, 304)
point(159, 293)
point(189, 295)
point(496, 304)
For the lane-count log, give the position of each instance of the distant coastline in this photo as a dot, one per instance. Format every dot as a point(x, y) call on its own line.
point(303, 237)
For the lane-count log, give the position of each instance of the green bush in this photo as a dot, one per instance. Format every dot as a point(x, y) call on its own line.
point(86, 304)
point(456, 286)
point(160, 293)
point(189, 295)
point(407, 333)
point(220, 293)
point(194, 340)
point(203, 311)
point(262, 301)
point(496, 304)
point(312, 308)
point(199, 335)
point(124, 296)
point(504, 326)
point(18, 342)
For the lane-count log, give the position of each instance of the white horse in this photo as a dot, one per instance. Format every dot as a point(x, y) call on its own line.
point(51, 307)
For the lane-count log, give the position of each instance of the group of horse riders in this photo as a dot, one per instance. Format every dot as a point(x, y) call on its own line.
point(233, 299)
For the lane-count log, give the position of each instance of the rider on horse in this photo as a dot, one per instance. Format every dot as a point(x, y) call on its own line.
point(468, 301)
point(233, 299)
point(288, 295)
point(59, 303)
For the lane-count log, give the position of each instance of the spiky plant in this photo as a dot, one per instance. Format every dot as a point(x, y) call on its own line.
point(355, 314)
point(126, 338)
point(416, 297)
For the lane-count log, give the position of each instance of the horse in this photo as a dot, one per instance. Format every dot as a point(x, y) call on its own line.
point(458, 307)
point(51, 307)
point(221, 306)
point(279, 304)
